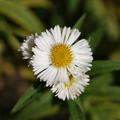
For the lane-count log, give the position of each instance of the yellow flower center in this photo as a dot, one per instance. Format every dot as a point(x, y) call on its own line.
point(61, 55)
point(72, 80)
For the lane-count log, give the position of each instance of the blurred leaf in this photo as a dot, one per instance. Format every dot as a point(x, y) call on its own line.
point(115, 55)
point(25, 99)
point(26, 73)
point(100, 82)
point(98, 13)
point(95, 38)
point(7, 68)
point(104, 66)
point(101, 105)
point(97, 114)
point(19, 31)
point(76, 111)
point(72, 5)
point(35, 3)
point(92, 7)
point(41, 106)
point(13, 41)
point(110, 106)
point(79, 23)
point(21, 16)
point(2, 47)
point(107, 110)
point(112, 93)
point(112, 27)
point(94, 115)
point(9, 35)
point(57, 19)
point(11, 29)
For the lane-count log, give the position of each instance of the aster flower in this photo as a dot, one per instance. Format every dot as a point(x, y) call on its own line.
point(27, 45)
point(58, 54)
point(72, 89)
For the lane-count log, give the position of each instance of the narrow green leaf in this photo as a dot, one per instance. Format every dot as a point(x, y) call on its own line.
point(104, 66)
point(95, 38)
point(25, 99)
point(100, 82)
point(94, 115)
point(36, 3)
point(20, 15)
point(97, 114)
point(11, 29)
point(2, 48)
point(110, 106)
point(40, 106)
point(111, 92)
point(12, 40)
point(106, 110)
point(75, 109)
point(79, 23)
point(19, 32)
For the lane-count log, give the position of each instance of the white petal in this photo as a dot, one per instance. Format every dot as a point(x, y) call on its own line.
point(80, 43)
point(68, 31)
point(27, 45)
point(56, 32)
point(62, 75)
point(72, 91)
point(64, 33)
point(73, 37)
point(49, 75)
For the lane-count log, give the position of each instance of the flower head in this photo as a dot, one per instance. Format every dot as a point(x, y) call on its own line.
point(57, 54)
point(27, 45)
point(60, 59)
point(72, 89)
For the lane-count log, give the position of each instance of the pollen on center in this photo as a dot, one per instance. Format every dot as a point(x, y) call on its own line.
point(61, 55)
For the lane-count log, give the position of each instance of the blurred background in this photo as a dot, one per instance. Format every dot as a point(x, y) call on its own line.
point(20, 18)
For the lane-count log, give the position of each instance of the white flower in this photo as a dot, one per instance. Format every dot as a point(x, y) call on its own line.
point(73, 89)
point(27, 45)
point(58, 54)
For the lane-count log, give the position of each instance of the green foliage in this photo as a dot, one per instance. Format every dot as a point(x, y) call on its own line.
point(25, 99)
point(72, 5)
point(34, 104)
point(39, 107)
point(100, 82)
point(79, 23)
point(21, 15)
point(35, 3)
point(101, 66)
point(14, 43)
point(95, 38)
point(109, 93)
point(76, 110)
point(98, 10)
point(104, 89)
point(101, 98)
point(19, 18)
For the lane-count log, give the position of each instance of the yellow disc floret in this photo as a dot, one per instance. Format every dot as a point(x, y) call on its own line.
point(61, 55)
point(72, 80)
